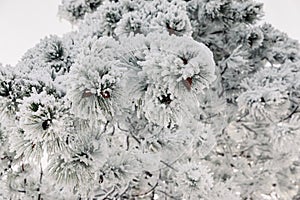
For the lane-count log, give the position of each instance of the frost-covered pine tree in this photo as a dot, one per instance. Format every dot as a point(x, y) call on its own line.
point(154, 99)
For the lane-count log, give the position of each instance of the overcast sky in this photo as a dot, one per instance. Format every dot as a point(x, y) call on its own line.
point(24, 22)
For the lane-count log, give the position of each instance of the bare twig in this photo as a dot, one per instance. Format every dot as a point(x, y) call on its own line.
point(147, 192)
point(168, 195)
point(249, 129)
point(41, 179)
point(291, 114)
point(103, 131)
point(125, 190)
point(168, 165)
point(109, 193)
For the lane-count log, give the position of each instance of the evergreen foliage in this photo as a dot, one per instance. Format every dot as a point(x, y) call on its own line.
point(154, 99)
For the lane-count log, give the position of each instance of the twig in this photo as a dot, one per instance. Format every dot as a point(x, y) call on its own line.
point(224, 70)
point(127, 143)
point(168, 165)
point(104, 129)
point(146, 193)
point(290, 115)
point(118, 125)
point(249, 129)
point(41, 178)
point(125, 190)
point(168, 195)
point(108, 193)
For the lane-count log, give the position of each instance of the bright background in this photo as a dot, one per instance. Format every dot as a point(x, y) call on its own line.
point(24, 22)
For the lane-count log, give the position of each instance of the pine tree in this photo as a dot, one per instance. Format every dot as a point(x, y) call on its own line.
point(156, 99)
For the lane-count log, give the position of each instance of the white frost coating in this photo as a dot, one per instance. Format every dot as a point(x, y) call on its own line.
point(156, 99)
point(195, 179)
point(43, 118)
point(264, 104)
point(169, 71)
point(126, 18)
point(93, 81)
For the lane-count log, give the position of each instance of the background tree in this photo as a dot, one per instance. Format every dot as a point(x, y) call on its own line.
point(154, 100)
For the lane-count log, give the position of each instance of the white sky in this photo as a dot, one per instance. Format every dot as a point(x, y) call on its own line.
point(24, 22)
